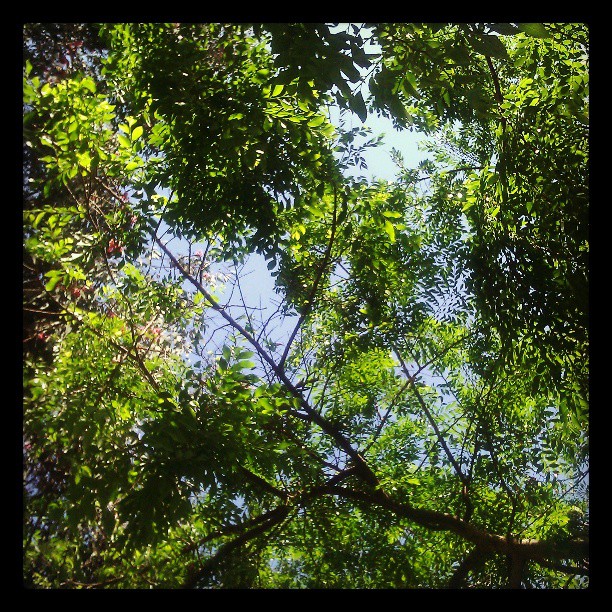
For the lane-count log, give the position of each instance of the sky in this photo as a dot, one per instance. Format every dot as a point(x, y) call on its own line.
point(257, 282)
point(380, 166)
point(378, 159)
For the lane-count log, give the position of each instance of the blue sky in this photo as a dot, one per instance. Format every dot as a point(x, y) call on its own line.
point(380, 166)
point(256, 281)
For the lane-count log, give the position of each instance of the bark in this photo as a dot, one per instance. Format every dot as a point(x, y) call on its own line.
point(471, 562)
point(487, 542)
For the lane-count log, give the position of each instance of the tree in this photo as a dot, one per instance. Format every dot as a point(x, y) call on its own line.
point(411, 410)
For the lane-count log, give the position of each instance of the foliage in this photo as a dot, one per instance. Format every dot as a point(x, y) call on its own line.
point(410, 410)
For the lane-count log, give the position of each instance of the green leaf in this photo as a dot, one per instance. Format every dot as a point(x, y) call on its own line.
point(89, 84)
point(329, 131)
point(84, 159)
point(537, 30)
point(124, 141)
point(244, 354)
point(489, 45)
point(317, 121)
point(227, 352)
point(54, 276)
point(137, 132)
point(38, 218)
point(410, 86)
point(390, 230)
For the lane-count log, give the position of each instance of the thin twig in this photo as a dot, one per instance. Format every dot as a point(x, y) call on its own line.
point(431, 420)
point(311, 296)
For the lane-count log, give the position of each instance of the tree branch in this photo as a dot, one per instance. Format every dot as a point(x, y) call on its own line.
point(517, 565)
point(471, 562)
point(498, 94)
point(313, 291)
point(431, 420)
point(363, 468)
point(272, 518)
point(488, 542)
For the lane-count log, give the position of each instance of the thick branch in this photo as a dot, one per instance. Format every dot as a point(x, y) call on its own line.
point(473, 560)
point(517, 565)
point(488, 542)
point(273, 518)
point(498, 94)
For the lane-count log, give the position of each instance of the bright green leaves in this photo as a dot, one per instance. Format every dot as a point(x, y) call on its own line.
point(129, 139)
point(390, 230)
point(366, 386)
point(124, 141)
point(54, 277)
point(84, 160)
point(78, 132)
point(89, 84)
point(389, 221)
point(316, 121)
point(149, 429)
point(137, 132)
point(235, 361)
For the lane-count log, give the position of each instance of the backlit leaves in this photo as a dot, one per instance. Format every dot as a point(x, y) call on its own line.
point(425, 347)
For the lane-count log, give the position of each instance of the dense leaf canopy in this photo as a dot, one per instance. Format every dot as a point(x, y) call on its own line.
point(407, 409)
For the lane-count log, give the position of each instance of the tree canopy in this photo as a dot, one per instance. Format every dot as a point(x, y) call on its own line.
point(407, 409)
